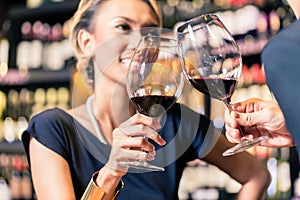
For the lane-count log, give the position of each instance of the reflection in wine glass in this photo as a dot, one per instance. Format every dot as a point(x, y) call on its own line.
point(154, 82)
point(212, 63)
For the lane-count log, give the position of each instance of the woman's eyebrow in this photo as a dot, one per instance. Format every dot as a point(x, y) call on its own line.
point(148, 24)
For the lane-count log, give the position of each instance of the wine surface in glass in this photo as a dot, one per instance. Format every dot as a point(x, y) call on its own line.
point(153, 100)
point(153, 105)
point(217, 88)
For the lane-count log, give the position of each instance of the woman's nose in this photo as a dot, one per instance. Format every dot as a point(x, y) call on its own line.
point(135, 38)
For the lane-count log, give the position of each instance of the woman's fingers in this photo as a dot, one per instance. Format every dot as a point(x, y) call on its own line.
point(138, 142)
point(130, 141)
point(142, 119)
point(141, 125)
point(121, 154)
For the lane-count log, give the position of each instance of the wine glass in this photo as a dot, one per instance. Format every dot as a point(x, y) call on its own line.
point(212, 63)
point(154, 82)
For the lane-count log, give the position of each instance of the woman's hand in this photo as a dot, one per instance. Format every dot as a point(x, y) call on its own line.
point(258, 117)
point(129, 141)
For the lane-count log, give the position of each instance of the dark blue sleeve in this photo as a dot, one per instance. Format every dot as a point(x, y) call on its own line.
point(48, 128)
point(281, 59)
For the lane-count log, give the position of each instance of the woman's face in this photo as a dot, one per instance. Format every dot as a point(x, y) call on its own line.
point(114, 26)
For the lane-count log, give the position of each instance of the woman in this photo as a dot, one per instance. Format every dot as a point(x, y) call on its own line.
point(60, 143)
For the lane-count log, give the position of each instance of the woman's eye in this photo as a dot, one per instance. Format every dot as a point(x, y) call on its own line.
point(124, 27)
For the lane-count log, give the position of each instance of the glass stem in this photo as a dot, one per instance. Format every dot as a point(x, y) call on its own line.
point(228, 104)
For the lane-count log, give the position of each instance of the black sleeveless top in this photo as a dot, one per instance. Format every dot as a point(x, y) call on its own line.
point(188, 135)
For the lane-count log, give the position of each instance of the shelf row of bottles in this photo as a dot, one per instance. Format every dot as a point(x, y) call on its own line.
point(222, 4)
point(27, 102)
point(193, 186)
point(270, 15)
point(42, 47)
point(48, 45)
point(15, 178)
point(252, 75)
point(38, 3)
point(17, 107)
point(180, 4)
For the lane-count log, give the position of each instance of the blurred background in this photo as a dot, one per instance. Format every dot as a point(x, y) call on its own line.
point(37, 71)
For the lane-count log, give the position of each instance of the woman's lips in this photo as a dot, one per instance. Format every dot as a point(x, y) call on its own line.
point(128, 58)
point(126, 62)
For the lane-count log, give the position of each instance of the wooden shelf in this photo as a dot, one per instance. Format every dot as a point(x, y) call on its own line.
point(35, 78)
point(14, 78)
point(47, 11)
point(10, 148)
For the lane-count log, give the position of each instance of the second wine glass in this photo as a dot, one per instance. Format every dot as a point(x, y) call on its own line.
point(212, 63)
point(154, 81)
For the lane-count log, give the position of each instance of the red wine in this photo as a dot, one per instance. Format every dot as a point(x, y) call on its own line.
point(218, 88)
point(153, 105)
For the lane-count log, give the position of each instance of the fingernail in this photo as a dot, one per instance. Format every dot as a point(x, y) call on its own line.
point(150, 156)
point(153, 153)
point(161, 140)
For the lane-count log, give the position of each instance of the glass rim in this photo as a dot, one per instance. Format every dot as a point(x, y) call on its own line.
point(209, 17)
point(172, 40)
